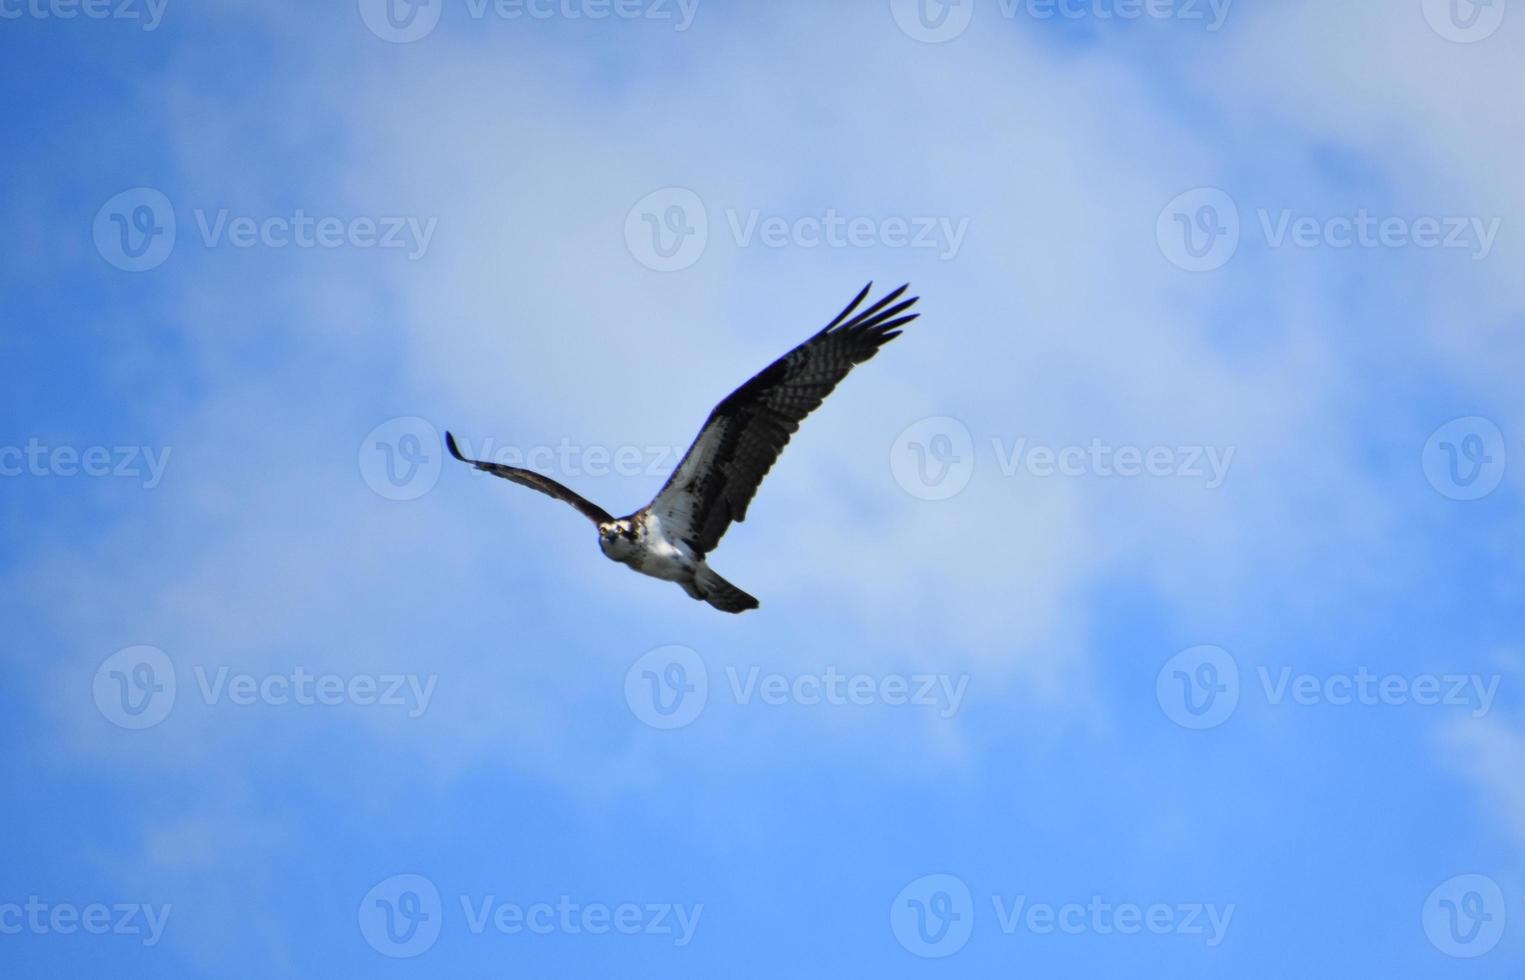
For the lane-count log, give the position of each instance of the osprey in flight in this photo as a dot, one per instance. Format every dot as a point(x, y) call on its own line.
point(670, 537)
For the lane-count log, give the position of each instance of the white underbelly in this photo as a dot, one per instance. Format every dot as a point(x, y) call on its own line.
point(662, 557)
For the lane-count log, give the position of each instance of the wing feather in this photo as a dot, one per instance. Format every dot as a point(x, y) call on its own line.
point(744, 435)
point(535, 481)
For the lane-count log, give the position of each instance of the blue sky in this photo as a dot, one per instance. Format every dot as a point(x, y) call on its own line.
point(1151, 606)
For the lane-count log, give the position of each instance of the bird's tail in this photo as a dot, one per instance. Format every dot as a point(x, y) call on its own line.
point(720, 593)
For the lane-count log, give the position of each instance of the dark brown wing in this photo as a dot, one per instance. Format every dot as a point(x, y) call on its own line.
point(745, 433)
point(533, 480)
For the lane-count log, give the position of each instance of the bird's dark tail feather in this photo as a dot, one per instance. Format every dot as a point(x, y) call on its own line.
point(722, 594)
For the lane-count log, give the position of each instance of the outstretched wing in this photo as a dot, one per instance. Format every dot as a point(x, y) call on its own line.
point(533, 480)
point(745, 433)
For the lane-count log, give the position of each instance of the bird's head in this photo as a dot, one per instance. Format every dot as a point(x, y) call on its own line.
point(616, 538)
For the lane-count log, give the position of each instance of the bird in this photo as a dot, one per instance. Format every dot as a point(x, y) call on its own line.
point(671, 537)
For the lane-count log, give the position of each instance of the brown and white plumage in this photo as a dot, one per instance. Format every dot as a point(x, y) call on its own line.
point(535, 481)
point(739, 443)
